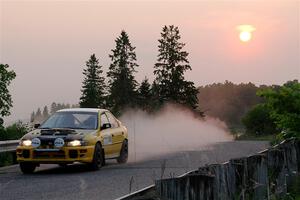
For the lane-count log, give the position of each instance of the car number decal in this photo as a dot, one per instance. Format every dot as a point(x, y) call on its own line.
point(107, 140)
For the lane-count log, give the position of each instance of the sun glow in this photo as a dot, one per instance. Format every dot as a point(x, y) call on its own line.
point(245, 32)
point(245, 36)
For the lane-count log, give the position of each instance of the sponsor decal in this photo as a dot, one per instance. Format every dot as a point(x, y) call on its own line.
point(107, 140)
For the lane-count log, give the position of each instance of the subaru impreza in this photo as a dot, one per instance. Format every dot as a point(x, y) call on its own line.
point(85, 135)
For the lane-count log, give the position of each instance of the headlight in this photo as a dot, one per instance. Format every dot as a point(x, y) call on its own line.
point(26, 143)
point(75, 143)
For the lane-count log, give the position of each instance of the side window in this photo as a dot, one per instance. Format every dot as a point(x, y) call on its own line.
point(103, 119)
point(112, 120)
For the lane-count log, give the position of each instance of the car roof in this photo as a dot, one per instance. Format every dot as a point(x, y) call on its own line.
point(82, 110)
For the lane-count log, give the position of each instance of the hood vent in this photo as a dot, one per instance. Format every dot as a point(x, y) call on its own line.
point(57, 131)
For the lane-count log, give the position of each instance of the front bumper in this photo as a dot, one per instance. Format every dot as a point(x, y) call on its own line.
point(62, 155)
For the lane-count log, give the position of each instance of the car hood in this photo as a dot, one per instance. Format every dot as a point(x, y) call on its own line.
point(67, 134)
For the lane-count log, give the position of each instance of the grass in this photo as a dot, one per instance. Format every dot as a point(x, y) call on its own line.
point(6, 158)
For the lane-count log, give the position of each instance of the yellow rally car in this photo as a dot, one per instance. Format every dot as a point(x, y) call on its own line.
point(83, 135)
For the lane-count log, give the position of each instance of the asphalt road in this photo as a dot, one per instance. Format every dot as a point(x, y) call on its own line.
point(113, 180)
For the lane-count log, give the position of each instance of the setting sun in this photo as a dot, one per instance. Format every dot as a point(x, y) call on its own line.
point(245, 36)
point(245, 32)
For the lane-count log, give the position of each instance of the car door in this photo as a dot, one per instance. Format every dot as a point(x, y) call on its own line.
point(117, 133)
point(106, 133)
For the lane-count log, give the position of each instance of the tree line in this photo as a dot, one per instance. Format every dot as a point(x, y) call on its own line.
point(229, 102)
point(255, 110)
point(123, 91)
point(39, 115)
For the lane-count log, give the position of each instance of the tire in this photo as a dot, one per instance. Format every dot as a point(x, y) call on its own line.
point(104, 161)
point(27, 167)
point(123, 153)
point(98, 158)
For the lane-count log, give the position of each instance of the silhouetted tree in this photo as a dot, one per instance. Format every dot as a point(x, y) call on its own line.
point(38, 115)
point(93, 85)
point(122, 84)
point(53, 108)
point(45, 113)
point(284, 105)
point(32, 116)
point(6, 76)
point(145, 96)
point(258, 121)
point(74, 106)
point(169, 70)
point(59, 106)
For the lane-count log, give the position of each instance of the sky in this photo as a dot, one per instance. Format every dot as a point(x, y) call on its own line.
point(48, 42)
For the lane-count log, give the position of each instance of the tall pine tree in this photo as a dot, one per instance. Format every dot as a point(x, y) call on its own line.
point(53, 108)
point(169, 70)
point(122, 84)
point(45, 113)
point(38, 116)
point(93, 89)
point(32, 116)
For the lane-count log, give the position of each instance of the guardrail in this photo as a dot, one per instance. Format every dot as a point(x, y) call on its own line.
point(251, 176)
point(139, 194)
point(8, 145)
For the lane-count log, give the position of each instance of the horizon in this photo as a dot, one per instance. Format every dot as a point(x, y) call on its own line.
point(27, 119)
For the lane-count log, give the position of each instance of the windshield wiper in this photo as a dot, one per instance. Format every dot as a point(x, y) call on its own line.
point(65, 128)
point(71, 128)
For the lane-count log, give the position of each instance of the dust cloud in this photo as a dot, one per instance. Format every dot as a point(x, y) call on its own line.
point(171, 130)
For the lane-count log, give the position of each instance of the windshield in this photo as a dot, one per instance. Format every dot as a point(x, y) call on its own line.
point(73, 120)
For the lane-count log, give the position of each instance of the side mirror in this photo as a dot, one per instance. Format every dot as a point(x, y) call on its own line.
point(106, 126)
point(36, 125)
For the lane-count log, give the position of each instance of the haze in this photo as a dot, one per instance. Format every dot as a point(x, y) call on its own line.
point(187, 134)
point(47, 43)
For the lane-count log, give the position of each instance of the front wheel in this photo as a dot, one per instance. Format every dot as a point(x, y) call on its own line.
point(123, 153)
point(98, 158)
point(27, 167)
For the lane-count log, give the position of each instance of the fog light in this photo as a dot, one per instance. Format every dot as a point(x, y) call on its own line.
point(59, 142)
point(35, 142)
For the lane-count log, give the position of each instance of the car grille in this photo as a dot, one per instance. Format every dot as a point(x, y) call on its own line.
point(49, 154)
point(47, 143)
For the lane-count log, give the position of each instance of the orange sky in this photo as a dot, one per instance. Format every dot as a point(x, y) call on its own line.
point(47, 43)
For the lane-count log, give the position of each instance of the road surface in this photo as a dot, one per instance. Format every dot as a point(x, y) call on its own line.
point(112, 181)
